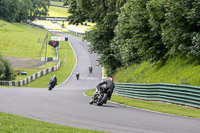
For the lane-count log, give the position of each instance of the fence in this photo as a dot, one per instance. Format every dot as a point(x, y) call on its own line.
point(172, 93)
point(31, 78)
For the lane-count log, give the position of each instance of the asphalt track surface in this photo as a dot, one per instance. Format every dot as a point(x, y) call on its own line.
point(67, 105)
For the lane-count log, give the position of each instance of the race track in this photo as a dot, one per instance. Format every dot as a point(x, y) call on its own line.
point(67, 105)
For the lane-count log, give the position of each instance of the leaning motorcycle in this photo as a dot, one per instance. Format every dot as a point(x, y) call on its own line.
point(100, 96)
point(77, 75)
point(51, 85)
point(90, 69)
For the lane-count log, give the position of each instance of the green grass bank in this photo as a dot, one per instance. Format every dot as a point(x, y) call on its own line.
point(175, 70)
point(16, 124)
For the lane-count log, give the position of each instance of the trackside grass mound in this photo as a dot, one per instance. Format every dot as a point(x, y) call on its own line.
point(176, 70)
point(23, 40)
point(154, 106)
point(16, 124)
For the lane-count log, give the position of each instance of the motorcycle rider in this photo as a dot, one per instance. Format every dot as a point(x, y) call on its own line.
point(77, 75)
point(90, 69)
point(53, 80)
point(109, 86)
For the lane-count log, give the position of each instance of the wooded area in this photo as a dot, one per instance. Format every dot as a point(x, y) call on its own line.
point(132, 31)
point(21, 10)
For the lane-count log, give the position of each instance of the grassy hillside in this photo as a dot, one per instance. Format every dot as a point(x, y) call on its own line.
point(58, 12)
point(176, 70)
point(22, 40)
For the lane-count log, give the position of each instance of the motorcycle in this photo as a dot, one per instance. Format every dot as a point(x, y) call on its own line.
point(51, 85)
point(100, 96)
point(90, 69)
point(77, 76)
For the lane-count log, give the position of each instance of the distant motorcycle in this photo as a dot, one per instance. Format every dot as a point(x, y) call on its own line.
point(52, 82)
point(77, 75)
point(90, 69)
point(100, 96)
point(51, 85)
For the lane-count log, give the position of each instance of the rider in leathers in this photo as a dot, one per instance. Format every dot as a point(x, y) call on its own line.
point(53, 80)
point(109, 86)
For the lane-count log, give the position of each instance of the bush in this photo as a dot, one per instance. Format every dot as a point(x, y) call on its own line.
point(6, 71)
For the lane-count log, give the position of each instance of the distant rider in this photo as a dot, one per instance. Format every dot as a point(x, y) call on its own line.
point(77, 75)
point(109, 86)
point(53, 80)
point(90, 69)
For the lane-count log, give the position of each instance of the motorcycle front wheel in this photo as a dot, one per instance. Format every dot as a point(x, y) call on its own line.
point(91, 101)
point(102, 100)
point(50, 88)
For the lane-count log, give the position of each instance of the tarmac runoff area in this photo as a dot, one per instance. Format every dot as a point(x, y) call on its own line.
point(25, 63)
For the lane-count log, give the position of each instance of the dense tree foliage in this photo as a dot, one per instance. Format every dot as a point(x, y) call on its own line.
point(133, 31)
point(132, 36)
point(21, 10)
point(9, 9)
point(104, 14)
point(6, 72)
point(181, 28)
point(39, 8)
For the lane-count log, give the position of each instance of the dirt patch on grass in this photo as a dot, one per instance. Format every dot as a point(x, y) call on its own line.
point(25, 63)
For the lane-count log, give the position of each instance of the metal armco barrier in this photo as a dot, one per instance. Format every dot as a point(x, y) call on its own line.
point(172, 93)
point(31, 78)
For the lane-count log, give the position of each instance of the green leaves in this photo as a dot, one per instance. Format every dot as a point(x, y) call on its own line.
point(39, 8)
point(138, 30)
point(21, 10)
point(6, 71)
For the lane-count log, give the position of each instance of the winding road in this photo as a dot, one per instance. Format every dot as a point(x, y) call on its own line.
point(67, 105)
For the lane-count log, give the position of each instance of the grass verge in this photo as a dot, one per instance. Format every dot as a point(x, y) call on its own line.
point(154, 106)
point(16, 124)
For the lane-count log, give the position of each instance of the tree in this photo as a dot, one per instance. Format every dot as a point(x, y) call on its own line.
point(21, 10)
point(104, 14)
point(23, 14)
point(39, 8)
point(9, 9)
point(180, 31)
